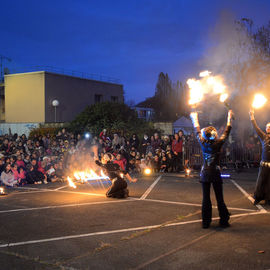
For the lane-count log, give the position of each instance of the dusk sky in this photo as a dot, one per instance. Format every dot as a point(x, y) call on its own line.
point(130, 40)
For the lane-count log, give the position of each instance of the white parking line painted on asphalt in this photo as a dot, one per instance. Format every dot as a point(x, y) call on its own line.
point(146, 193)
point(65, 191)
point(197, 205)
point(61, 187)
point(116, 231)
point(28, 192)
point(248, 196)
point(65, 205)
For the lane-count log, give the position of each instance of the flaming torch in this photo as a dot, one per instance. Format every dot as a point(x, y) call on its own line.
point(258, 101)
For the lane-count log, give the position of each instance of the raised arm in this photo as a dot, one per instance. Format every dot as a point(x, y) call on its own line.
point(196, 125)
point(228, 128)
point(254, 123)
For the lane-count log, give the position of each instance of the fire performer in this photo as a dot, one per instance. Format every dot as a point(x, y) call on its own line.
point(262, 190)
point(118, 188)
point(210, 172)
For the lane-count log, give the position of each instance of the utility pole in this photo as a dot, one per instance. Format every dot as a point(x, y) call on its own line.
point(2, 58)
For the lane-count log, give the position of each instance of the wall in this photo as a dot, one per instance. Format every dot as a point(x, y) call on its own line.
point(74, 94)
point(19, 128)
point(24, 97)
point(166, 127)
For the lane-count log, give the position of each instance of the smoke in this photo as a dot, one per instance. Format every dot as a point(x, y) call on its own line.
point(234, 54)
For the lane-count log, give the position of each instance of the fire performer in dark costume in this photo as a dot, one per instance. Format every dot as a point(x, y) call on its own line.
point(262, 190)
point(210, 172)
point(118, 188)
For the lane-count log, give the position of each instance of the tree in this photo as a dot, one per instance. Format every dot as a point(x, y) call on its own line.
point(115, 117)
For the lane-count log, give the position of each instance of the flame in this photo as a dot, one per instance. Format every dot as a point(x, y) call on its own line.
point(258, 101)
point(85, 176)
point(223, 97)
point(147, 171)
point(196, 91)
point(2, 191)
point(206, 85)
point(70, 182)
point(217, 85)
point(205, 73)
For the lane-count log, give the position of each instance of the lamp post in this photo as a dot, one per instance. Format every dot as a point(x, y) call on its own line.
point(55, 103)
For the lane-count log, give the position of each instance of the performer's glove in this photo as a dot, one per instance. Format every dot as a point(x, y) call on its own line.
point(194, 118)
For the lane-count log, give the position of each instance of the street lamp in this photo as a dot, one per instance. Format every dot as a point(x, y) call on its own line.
point(55, 103)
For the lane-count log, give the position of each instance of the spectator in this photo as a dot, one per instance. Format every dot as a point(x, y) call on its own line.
point(7, 176)
point(146, 142)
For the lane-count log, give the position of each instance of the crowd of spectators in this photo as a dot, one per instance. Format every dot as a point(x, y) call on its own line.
point(44, 159)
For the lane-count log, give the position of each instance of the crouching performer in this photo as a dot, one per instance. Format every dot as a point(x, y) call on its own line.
point(118, 188)
point(210, 173)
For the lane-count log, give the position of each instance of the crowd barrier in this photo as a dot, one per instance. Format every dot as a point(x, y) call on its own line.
point(232, 157)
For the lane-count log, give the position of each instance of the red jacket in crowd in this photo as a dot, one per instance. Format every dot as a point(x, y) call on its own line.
point(177, 146)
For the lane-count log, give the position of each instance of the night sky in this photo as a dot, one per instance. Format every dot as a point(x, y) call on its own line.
point(130, 40)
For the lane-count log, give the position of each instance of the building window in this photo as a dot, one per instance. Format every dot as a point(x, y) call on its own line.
point(114, 99)
point(142, 114)
point(98, 98)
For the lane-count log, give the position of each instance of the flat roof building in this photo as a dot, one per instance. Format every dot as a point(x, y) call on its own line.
point(29, 97)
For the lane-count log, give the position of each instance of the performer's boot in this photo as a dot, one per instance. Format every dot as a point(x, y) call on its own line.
point(206, 225)
point(224, 223)
point(126, 191)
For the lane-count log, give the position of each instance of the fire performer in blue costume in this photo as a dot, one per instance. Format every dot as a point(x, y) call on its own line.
point(118, 188)
point(262, 190)
point(210, 173)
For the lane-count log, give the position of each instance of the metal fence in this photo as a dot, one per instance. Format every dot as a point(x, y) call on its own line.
point(232, 156)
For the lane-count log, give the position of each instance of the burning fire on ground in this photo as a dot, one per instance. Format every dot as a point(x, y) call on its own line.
point(85, 176)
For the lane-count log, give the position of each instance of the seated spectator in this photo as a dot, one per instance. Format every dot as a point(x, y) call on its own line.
point(22, 176)
point(164, 164)
point(33, 176)
point(2, 165)
point(131, 167)
point(156, 164)
point(120, 161)
point(15, 171)
point(27, 160)
point(41, 168)
point(169, 161)
point(20, 162)
point(59, 172)
point(7, 177)
point(51, 174)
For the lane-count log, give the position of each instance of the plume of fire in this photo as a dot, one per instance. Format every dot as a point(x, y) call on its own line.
point(258, 101)
point(223, 97)
point(206, 85)
point(70, 182)
point(85, 176)
point(89, 175)
point(196, 91)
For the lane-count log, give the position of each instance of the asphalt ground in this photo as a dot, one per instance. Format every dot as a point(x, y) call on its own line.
point(54, 226)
